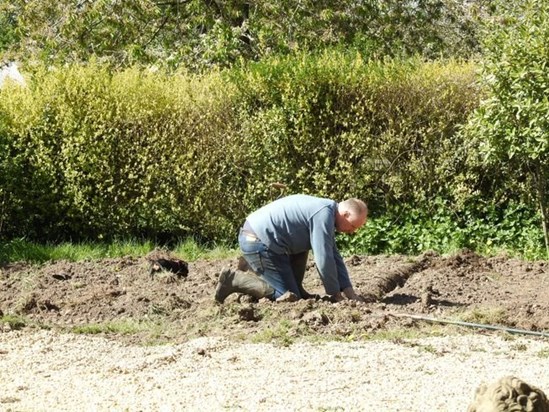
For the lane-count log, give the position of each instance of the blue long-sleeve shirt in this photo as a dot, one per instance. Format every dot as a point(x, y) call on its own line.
point(298, 223)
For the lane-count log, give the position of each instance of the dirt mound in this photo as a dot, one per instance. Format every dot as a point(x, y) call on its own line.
point(502, 291)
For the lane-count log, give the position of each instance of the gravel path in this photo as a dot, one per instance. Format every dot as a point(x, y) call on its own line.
point(46, 371)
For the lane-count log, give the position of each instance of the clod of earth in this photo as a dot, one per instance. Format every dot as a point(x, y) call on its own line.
point(61, 276)
point(179, 267)
point(509, 394)
point(163, 261)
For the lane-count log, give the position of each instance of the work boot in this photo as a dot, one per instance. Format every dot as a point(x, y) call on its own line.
point(235, 281)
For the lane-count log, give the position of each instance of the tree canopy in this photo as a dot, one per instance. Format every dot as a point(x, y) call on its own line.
point(199, 34)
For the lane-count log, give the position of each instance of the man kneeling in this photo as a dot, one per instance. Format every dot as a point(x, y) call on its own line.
point(276, 239)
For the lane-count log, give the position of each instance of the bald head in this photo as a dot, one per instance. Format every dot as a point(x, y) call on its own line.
point(351, 215)
point(354, 206)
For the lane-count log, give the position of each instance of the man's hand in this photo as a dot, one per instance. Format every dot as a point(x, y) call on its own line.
point(350, 294)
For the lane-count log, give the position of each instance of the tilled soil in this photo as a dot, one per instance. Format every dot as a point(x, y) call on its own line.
point(165, 344)
point(160, 305)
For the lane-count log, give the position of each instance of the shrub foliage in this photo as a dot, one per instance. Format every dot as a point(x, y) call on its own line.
point(88, 153)
point(91, 153)
point(511, 124)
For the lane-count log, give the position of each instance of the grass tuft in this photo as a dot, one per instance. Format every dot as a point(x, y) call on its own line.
point(484, 316)
point(20, 250)
point(120, 327)
point(13, 321)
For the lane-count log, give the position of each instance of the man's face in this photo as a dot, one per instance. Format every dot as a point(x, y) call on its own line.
point(349, 223)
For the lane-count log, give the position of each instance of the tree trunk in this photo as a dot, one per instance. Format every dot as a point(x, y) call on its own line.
point(540, 177)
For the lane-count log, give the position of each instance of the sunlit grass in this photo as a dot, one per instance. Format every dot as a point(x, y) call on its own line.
point(20, 250)
point(281, 334)
point(121, 327)
point(484, 316)
point(81, 251)
point(191, 250)
point(14, 322)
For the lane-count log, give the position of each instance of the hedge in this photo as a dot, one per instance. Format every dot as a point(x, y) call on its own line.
point(88, 153)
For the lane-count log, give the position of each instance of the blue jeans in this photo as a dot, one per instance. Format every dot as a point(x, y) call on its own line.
point(283, 272)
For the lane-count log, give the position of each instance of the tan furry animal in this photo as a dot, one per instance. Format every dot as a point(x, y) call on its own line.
point(509, 394)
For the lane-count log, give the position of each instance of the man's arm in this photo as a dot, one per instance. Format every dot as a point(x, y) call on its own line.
point(330, 264)
point(323, 246)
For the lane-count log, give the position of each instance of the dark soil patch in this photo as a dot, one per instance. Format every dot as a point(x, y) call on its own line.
point(159, 304)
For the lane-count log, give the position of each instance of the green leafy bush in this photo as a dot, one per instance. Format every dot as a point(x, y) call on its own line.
point(510, 126)
point(87, 153)
point(94, 154)
point(336, 125)
point(487, 229)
